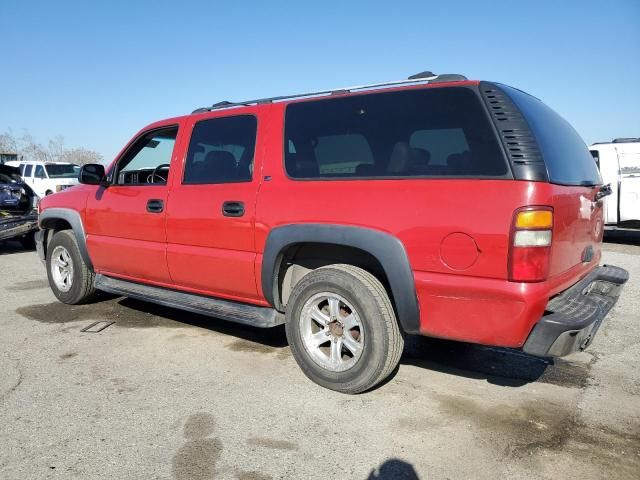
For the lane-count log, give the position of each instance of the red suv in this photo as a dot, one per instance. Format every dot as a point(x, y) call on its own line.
point(439, 206)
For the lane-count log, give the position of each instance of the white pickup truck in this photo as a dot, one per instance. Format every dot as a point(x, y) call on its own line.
point(619, 164)
point(46, 178)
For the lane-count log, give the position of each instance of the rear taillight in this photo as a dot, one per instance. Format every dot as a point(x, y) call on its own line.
point(530, 247)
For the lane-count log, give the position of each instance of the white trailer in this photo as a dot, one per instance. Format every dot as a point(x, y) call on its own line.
point(619, 164)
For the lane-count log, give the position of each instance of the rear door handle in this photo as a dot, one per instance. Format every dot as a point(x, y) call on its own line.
point(233, 209)
point(155, 206)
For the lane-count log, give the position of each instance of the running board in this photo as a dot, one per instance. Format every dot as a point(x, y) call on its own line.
point(263, 317)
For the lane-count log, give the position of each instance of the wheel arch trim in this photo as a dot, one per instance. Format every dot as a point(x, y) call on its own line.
point(386, 248)
point(50, 215)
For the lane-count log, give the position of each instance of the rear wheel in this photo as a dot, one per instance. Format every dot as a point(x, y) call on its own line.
point(69, 277)
point(342, 329)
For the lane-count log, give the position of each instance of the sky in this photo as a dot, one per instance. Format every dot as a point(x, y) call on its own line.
point(97, 72)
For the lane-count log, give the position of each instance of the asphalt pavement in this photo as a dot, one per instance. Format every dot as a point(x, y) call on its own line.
point(164, 394)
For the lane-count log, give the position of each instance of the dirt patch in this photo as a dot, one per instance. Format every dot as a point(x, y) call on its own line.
point(29, 285)
point(116, 310)
point(272, 443)
point(121, 385)
point(243, 475)
point(197, 458)
point(248, 346)
point(67, 356)
point(526, 427)
point(567, 374)
point(532, 427)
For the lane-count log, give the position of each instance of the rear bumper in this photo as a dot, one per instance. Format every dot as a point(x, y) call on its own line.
point(573, 317)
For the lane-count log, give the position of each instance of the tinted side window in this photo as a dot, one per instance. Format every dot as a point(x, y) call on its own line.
point(27, 170)
point(565, 154)
point(441, 143)
point(221, 150)
point(438, 132)
point(40, 172)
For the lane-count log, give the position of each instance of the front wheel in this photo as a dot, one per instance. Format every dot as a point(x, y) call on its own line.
point(69, 277)
point(342, 329)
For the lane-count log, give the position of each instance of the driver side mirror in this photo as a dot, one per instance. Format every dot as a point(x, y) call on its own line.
point(93, 174)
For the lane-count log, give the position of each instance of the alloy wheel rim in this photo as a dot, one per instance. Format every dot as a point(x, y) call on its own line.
point(62, 268)
point(332, 331)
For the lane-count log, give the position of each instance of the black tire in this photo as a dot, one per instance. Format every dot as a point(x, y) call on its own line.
point(82, 289)
point(384, 340)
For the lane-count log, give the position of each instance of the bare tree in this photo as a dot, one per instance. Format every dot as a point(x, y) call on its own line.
point(32, 150)
point(28, 148)
point(56, 148)
point(8, 143)
point(81, 156)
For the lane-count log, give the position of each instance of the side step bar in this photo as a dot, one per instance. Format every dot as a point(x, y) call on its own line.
point(263, 317)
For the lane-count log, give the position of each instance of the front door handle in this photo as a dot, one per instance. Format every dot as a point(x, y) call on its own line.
point(233, 209)
point(155, 206)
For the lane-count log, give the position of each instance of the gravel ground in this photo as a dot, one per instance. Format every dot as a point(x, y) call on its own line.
point(163, 394)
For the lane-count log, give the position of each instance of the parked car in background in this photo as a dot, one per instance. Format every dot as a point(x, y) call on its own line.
point(439, 206)
point(18, 218)
point(46, 178)
point(619, 164)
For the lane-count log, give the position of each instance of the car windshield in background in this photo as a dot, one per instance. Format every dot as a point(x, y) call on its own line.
point(62, 171)
point(4, 178)
point(437, 132)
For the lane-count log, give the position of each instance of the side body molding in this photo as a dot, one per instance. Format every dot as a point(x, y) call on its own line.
point(48, 218)
point(387, 249)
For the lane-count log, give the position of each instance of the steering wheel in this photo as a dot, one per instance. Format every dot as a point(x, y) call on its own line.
point(155, 173)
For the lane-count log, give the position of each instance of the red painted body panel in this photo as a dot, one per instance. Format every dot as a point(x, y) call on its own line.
point(475, 304)
point(456, 233)
point(206, 250)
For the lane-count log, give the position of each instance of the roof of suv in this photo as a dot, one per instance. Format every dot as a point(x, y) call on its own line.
point(420, 79)
point(40, 162)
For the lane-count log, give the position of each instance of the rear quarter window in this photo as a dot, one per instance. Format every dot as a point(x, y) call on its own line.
point(439, 132)
point(565, 154)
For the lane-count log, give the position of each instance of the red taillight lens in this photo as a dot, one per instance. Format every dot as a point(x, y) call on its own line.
point(530, 246)
point(529, 264)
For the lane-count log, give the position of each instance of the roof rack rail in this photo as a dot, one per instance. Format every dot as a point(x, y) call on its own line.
point(426, 76)
point(626, 140)
point(620, 140)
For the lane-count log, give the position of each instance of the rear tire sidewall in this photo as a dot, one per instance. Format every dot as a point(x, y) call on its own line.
point(365, 372)
point(75, 293)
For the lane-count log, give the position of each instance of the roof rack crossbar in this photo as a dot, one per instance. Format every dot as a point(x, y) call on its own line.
point(418, 78)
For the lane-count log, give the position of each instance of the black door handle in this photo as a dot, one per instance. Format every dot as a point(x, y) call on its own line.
point(155, 206)
point(233, 209)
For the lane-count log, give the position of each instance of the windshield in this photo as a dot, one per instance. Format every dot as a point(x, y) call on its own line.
point(4, 178)
point(62, 170)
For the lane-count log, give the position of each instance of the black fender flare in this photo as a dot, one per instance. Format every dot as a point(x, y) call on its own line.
point(386, 248)
point(48, 218)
